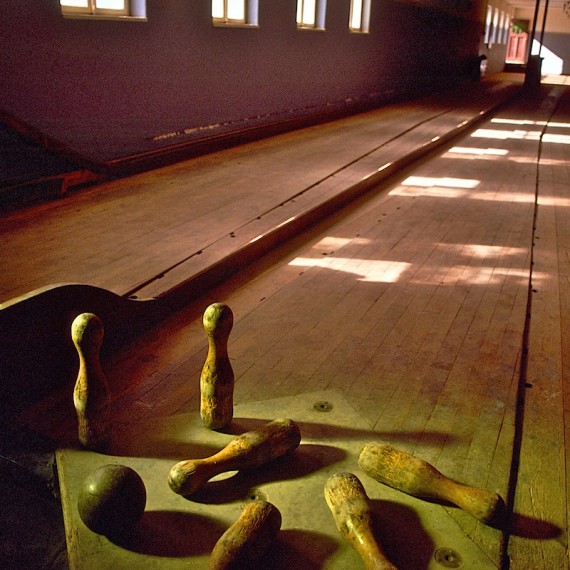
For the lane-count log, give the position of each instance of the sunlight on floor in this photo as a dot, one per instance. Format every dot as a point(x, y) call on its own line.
point(500, 134)
point(517, 121)
point(445, 182)
point(558, 139)
point(430, 192)
point(379, 271)
point(332, 243)
point(478, 250)
point(556, 79)
point(463, 150)
point(551, 124)
point(485, 276)
point(367, 270)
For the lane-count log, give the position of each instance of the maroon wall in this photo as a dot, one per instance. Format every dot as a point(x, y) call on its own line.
point(108, 89)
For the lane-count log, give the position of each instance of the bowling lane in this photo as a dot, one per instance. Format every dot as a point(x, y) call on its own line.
point(409, 305)
point(128, 232)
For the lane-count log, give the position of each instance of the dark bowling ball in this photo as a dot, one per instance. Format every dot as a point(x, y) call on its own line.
point(112, 499)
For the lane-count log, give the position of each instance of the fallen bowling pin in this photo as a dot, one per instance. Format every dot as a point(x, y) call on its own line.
point(91, 393)
point(419, 478)
point(247, 451)
point(247, 540)
point(217, 377)
point(350, 508)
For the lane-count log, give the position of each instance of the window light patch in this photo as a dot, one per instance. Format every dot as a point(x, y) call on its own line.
point(367, 270)
point(428, 181)
point(478, 151)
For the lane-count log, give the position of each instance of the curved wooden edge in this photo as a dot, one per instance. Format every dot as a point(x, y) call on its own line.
point(36, 351)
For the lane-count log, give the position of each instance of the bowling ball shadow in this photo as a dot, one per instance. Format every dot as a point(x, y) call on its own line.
point(172, 534)
point(305, 460)
point(398, 529)
point(536, 529)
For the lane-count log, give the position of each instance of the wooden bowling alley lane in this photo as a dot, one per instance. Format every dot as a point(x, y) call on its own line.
point(160, 222)
point(410, 306)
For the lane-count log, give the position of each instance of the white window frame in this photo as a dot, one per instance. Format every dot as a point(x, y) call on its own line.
point(317, 21)
point(506, 26)
point(495, 27)
point(250, 14)
point(132, 10)
point(359, 18)
point(500, 27)
point(488, 24)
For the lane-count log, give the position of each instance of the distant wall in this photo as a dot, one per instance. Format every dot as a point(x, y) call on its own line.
point(110, 89)
point(556, 38)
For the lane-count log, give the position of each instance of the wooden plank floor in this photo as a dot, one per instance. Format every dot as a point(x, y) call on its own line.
point(542, 482)
point(413, 302)
point(125, 233)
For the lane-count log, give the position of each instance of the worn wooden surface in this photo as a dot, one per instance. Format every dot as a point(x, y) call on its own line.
point(542, 482)
point(412, 303)
point(150, 232)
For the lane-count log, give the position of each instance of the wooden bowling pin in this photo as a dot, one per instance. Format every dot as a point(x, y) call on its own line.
point(419, 478)
point(350, 508)
point(91, 393)
point(247, 451)
point(217, 377)
point(246, 541)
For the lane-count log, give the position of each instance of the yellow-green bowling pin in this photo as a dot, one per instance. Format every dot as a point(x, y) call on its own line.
point(247, 540)
point(217, 377)
point(350, 508)
point(248, 451)
point(91, 393)
point(419, 478)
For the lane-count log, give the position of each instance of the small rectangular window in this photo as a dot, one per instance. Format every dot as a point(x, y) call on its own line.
point(495, 26)
point(104, 9)
point(499, 27)
point(311, 14)
point(235, 12)
point(494, 31)
point(117, 7)
point(84, 4)
point(306, 13)
point(506, 22)
point(488, 24)
point(359, 16)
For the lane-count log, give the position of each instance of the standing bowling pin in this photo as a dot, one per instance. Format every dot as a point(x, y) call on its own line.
point(246, 541)
point(217, 377)
point(91, 394)
point(247, 451)
point(419, 478)
point(349, 506)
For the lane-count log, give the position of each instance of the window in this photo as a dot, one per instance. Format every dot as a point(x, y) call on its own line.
point(104, 9)
point(506, 22)
point(488, 24)
point(311, 14)
point(235, 12)
point(494, 36)
point(359, 16)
